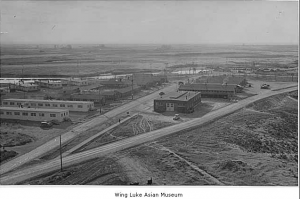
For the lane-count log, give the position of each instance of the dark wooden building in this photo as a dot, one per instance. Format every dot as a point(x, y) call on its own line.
point(125, 92)
point(115, 83)
point(88, 97)
point(182, 102)
point(223, 79)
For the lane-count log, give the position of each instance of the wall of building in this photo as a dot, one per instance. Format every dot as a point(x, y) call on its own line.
point(217, 94)
point(34, 115)
point(180, 106)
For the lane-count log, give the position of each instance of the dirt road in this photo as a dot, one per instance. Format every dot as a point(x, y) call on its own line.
point(82, 128)
point(126, 143)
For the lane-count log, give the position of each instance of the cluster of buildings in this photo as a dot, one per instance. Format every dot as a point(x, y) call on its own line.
point(72, 94)
point(113, 89)
point(189, 95)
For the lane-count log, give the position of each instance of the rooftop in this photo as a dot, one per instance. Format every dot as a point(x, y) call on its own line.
point(89, 87)
point(32, 109)
point(49, 82)
point(179, 96)
point(37, 100)
point(91, 96)
point(127, 89)
point(112, 82)
point(221, 79)
point(28, 85)
point(208, 86)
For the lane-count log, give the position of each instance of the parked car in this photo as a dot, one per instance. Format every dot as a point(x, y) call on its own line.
point(265, 86)
point(176, 117)
point(46, 124)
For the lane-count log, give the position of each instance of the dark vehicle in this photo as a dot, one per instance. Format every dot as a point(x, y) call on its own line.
point(134, 183)
point(46, 124)
point(176, 117)
point(265, 86)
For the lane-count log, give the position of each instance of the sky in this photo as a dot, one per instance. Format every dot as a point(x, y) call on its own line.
point(149, 22)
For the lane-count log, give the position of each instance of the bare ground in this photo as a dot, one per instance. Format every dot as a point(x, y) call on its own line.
point(255, 146)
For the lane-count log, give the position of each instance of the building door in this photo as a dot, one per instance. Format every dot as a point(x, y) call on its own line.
point(169, 107)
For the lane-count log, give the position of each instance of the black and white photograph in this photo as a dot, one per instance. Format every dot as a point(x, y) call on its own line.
point(134, 96)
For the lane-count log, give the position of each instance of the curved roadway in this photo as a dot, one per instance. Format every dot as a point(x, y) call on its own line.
point(53, 165)
point(82, 128)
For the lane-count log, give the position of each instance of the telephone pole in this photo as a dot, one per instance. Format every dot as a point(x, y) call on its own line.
point(99, 102)
point(23, 81)
point(132, 87)
point(61, 167)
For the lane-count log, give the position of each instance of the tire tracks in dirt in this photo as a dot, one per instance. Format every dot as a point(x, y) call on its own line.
point(193, 166)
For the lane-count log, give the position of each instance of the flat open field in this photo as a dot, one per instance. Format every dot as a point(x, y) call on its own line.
point(257, 145)
point(89, 60)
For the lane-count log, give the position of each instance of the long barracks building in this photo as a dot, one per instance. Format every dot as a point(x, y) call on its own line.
point(33, 114)
point(211, 90)
point(49, 104)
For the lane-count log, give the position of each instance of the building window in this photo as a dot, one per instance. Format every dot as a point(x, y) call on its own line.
point(52, 115)
point(41, 114)
point(54, 105)
point(70, 105)
point(17, 113)
point(62, 105)
point(33, 104)
point(12, 103)
point(8, 113)
point(79, 106)
point(40, 104)
point(5, 103)
point(159, 103)
point(47, 104)
point(33, 114)
point(25, 114)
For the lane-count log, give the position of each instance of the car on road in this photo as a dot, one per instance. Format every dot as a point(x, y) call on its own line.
point(46, 124)
point(176, 117)
point(265, 86)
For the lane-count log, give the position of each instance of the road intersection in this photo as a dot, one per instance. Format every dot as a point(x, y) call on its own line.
point(18, 176)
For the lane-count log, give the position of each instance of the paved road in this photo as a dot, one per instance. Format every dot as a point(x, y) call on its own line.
point(68, 136)
point(53, 165)
point(78, 146)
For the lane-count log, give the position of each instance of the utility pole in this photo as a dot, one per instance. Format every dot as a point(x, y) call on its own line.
point(61, 167)
point(99, 102)
point(132, 87)
point(23, 81)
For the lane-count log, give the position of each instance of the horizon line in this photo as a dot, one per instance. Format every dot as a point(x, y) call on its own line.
point(169, 44)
